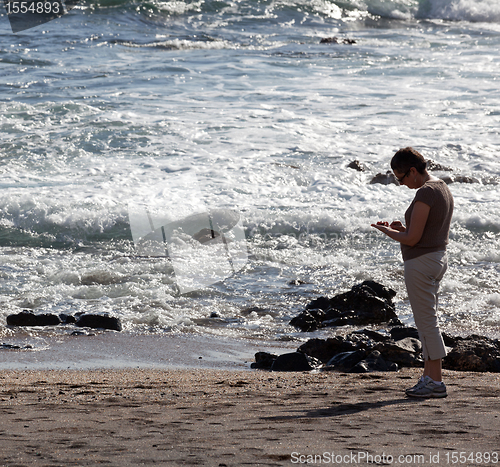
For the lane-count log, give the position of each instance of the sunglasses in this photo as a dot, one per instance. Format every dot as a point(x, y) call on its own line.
point(400, 180)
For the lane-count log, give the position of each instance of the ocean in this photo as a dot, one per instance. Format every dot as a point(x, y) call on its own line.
point(183, 165)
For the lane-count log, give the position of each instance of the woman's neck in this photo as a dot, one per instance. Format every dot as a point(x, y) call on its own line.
point(425, 177)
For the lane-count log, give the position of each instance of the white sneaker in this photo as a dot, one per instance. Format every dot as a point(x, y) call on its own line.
point(427, 387)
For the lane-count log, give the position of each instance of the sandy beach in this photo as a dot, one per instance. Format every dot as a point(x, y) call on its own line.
point(243, 417)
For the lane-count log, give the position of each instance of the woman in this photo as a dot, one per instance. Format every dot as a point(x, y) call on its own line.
point(423, 245)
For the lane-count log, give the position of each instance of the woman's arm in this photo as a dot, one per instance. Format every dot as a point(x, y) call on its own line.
point(412, 235)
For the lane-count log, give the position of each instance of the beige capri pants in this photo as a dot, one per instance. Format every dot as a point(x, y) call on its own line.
point(422, 277)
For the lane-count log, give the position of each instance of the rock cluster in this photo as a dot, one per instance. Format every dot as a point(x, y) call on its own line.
point(370, 303)
point(28, 318)
point(389, 178)
point(366, 350)
point(366, 303)
point(358, 352)
point(15, 347)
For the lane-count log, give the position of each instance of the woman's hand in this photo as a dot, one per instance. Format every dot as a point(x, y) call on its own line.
point(382, 226)
point(409, 236)
point(385, 227)
point(397, 225)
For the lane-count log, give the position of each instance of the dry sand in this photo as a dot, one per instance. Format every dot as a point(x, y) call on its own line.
point(234, 418)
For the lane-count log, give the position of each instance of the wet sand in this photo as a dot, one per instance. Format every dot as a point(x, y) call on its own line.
point(242, 417)
point(121, 350)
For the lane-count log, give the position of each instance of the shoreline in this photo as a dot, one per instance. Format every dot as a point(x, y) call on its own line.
point(233, 418)
point(113, 350)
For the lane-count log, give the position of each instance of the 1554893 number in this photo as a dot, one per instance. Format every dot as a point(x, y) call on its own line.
point(472, 458)
point(33, 7)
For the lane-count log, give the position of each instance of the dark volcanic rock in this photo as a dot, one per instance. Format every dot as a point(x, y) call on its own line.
point(345, 361)
point(325, 349)
point(373, 335)
point(360, 361)
point(366, 303)
point(491, 180)
point(15, 347)
point(374, 362)
point(308, 320)
point(67, 319)
point(447, 179)
point(321, 303)
point(376, 289)
point(465, 179)
point(406, 352)
point(99, 322)
point(369, 350)
point(459, 179)
point(356, 165)
point(450, 341)
point(435, 166)
point(344, 353)
point(474, 353)
point(28, 318)
point(263, 361)
point(336, 40)
point(400, 332)
point(294, 361)
point(384, 179)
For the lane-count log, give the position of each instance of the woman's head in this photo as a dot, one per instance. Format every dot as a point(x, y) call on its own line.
point(407, 158)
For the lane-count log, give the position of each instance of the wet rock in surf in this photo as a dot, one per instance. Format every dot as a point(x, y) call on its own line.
point(435, 166)
point(67, 319)
point(28, 318)
point(356, 165)
point(15, 347)
point(491, 180)
point(336, 40)
point(366, 303)
point(374, 350)
point(297, 282)
point(384, 179)
point(99, 322)
point(459, 179)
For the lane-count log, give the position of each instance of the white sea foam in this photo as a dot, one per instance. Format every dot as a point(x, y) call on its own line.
point(178, 44)
point(463, 10)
